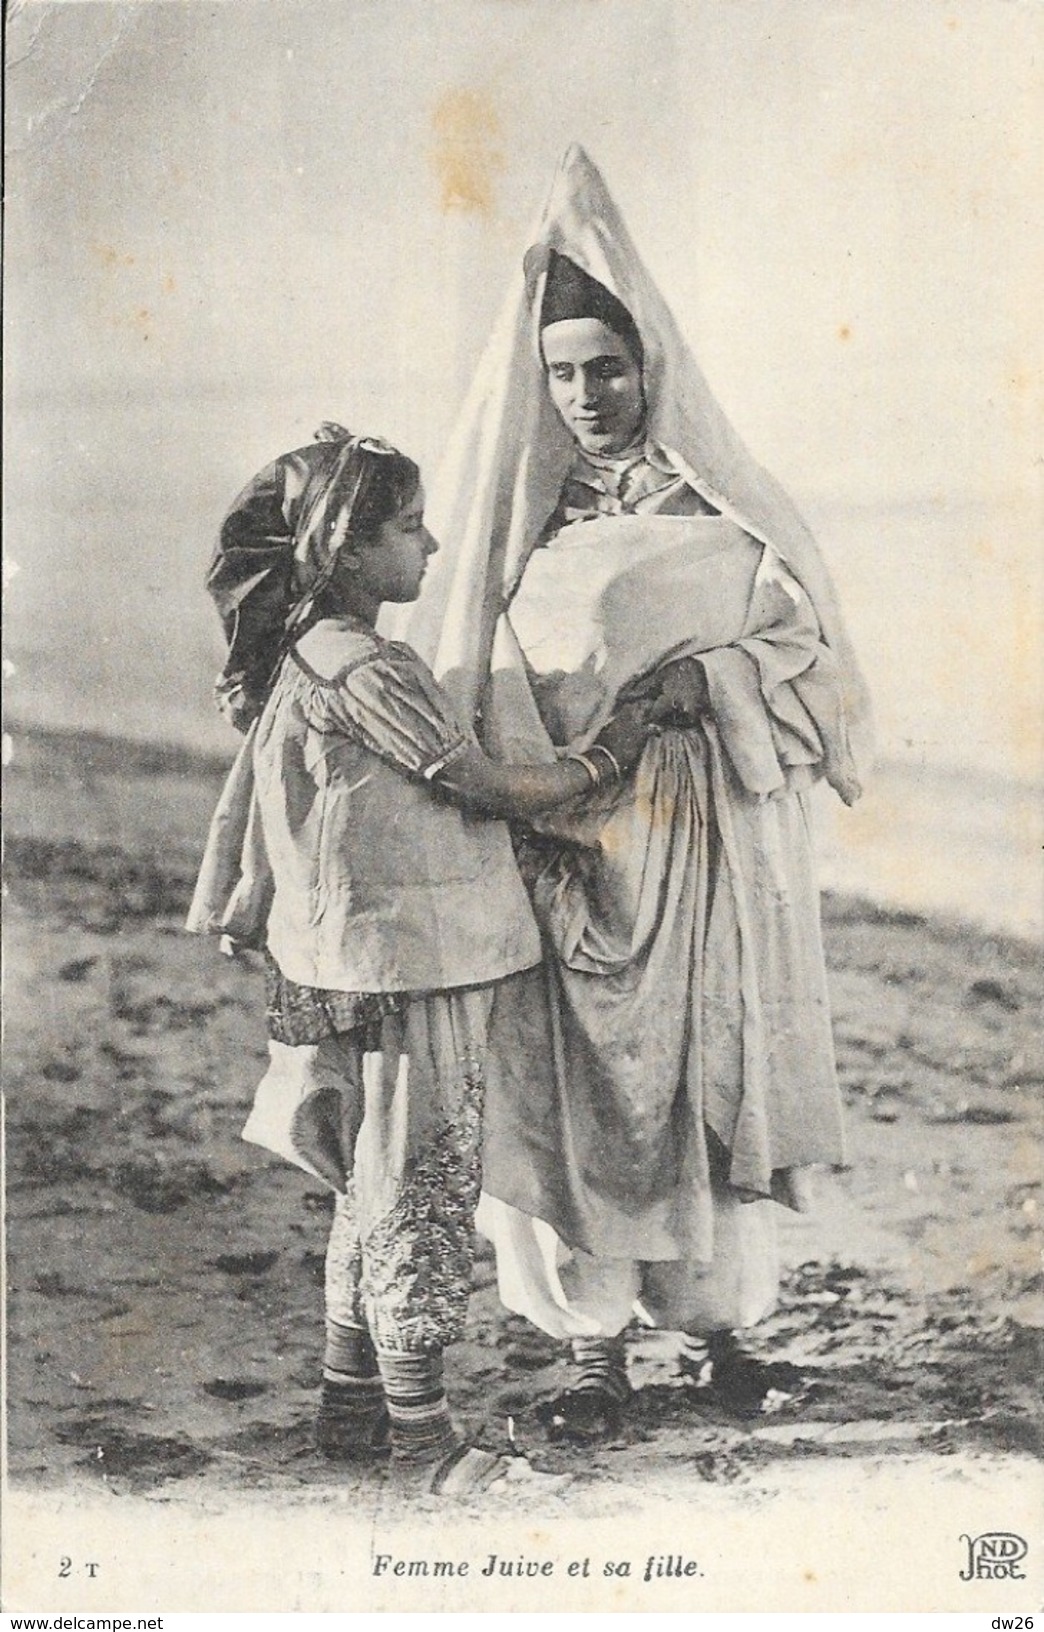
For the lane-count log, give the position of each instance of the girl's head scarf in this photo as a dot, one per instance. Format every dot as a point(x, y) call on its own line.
point(278, 546)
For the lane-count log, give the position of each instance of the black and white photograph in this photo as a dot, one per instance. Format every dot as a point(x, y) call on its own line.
point(522, 773)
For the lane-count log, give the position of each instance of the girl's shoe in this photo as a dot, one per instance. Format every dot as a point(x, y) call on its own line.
point(346, 1430)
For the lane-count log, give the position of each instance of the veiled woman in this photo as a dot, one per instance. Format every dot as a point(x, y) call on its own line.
point(669, 1072)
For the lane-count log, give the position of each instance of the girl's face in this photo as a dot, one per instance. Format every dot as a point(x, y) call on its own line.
point(594, 383)
point(391, 566)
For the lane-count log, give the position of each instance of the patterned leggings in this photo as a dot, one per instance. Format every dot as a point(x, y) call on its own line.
point(402, 1243)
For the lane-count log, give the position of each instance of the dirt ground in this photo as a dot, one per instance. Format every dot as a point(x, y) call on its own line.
point(165, 1278)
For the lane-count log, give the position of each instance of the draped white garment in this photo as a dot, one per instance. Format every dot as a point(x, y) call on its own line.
point(680, 1020)
point(509, 455)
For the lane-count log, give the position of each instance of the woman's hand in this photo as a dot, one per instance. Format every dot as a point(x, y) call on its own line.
point(682, 694)
point(625, 735)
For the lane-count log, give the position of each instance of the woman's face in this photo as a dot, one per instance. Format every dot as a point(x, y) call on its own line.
point(594, 383)
point(391, 566)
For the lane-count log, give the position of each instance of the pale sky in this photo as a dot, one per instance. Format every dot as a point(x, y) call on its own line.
point(229, 221)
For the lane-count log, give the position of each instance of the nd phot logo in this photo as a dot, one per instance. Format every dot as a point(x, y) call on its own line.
point(995, 1556)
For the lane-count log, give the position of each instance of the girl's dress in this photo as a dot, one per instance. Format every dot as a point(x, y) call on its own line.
point(390, 914)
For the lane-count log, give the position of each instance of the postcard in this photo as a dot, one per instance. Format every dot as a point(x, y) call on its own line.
point(523, 527)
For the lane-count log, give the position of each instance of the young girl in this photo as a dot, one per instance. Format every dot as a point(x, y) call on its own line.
point(362, 814)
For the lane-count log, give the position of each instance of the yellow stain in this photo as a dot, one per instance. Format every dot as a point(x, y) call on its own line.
point(109, 256)
point(467, 155)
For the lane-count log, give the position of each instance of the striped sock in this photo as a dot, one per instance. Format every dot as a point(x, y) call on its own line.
point(600, 1367)
point(422, 1430)
point(350, 1355)
point(352, 1419)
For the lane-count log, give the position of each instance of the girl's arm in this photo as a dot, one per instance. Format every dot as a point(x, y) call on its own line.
point(480, 783)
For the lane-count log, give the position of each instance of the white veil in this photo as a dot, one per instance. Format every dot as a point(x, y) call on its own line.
point(509, 454)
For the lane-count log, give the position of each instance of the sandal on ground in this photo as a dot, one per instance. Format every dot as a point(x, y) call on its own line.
point(470, 1472)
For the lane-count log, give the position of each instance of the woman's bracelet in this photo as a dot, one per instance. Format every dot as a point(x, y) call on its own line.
point(614, 763)
point(593, 770)
point(588, 764)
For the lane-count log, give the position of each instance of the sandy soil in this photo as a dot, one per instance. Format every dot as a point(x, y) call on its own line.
point(165, 1279)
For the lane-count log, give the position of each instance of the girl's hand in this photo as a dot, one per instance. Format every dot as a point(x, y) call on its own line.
point(239, 706)
point(626, 734)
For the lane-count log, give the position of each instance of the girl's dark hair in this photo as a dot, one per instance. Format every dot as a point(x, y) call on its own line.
point(391, 481)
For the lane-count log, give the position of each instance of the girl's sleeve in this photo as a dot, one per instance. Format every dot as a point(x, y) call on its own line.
point(393, 704)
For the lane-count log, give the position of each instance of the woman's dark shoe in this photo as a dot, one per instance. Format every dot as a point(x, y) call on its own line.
point(582, 1415)
point(592, 1408)
point(741, 1383)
